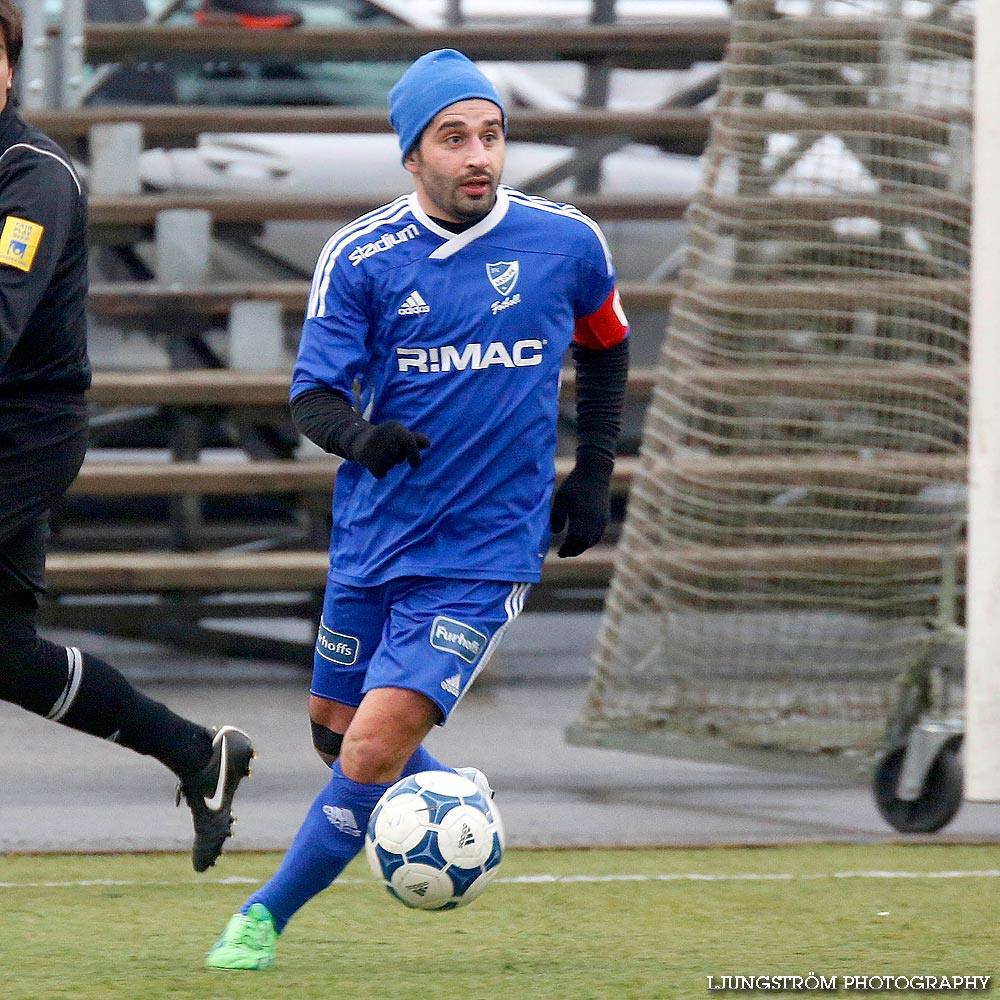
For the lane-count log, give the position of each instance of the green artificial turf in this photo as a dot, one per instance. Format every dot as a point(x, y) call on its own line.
point(680, 917)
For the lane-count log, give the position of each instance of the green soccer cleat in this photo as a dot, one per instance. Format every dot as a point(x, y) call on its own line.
point(248, 942)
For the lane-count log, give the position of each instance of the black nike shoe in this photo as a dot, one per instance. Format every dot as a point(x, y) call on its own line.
point(210, 794)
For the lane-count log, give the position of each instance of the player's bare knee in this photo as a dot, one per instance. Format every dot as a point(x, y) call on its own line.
point(371, 760)
point(326, 742)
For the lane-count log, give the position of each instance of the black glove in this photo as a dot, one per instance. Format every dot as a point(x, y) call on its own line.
point(583, 499)
point(380, 447)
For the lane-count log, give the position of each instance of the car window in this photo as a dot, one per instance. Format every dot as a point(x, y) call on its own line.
point(274, 82)
point(255, 82)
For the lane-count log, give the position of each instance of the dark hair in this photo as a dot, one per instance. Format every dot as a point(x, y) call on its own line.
point(13, 30)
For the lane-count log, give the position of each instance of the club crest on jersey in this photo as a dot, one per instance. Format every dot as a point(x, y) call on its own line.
point(503, 275)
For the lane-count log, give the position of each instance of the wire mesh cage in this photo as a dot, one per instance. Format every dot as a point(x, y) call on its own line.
point(801, 490)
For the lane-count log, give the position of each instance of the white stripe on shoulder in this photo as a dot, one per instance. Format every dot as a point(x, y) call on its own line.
point(45, 152)
point(353, 230)
point(328, 247)
point(360, 222)
point(567, 211)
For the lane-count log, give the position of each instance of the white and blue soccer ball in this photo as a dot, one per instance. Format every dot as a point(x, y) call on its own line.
point(435, 840)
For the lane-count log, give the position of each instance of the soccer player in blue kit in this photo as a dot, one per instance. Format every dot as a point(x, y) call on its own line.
point(451, 308)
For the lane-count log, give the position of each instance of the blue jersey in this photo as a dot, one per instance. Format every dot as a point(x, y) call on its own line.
point(461, 337)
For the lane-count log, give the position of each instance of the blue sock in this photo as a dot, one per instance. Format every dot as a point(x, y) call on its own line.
point(332, 833)
point(423, 761)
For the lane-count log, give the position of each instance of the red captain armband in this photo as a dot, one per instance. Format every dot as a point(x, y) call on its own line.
point(604, 328)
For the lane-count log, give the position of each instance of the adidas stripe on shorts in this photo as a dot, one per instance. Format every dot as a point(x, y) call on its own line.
point(425, 634)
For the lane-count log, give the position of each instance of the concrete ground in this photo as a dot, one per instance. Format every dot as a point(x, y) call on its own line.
point(64, 791)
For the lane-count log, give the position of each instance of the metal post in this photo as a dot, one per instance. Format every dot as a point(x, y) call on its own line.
point(187, 431)
point(34, 69)
point(595, 93)
point(71, 52)
point(894, 55)
point(256, 335)
point(115, 149)
point(183, 244)
point(960, 150)
point(982, 666)
point(454, 15)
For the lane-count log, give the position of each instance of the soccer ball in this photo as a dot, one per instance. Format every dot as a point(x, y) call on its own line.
point(434, 841)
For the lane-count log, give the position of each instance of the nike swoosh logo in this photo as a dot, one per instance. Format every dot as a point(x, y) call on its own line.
point(215, 802)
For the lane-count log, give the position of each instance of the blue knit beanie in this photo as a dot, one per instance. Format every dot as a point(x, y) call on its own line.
point(431, 84)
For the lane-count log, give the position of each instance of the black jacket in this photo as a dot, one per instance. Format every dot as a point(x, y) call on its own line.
point(43, 265)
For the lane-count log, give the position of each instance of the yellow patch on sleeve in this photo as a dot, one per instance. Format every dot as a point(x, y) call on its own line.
point(18, 242)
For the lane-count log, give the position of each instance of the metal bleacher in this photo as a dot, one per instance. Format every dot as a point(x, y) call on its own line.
point(155, 546)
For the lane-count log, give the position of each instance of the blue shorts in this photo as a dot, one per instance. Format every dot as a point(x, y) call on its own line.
point(424, 634)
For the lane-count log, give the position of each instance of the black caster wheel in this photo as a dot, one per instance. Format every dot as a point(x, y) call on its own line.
point(941, 797)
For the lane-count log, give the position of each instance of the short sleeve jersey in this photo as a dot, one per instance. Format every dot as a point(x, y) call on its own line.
point(460, 337)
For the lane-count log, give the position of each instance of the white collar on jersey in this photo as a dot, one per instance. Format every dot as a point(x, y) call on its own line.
point(456, 241)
